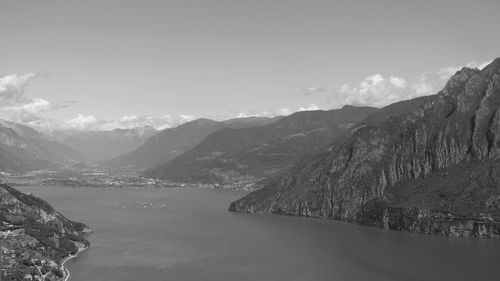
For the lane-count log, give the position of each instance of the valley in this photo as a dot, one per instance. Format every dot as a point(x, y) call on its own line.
point(220, 140)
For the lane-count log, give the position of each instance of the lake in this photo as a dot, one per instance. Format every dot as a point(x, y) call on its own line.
point(188, 234)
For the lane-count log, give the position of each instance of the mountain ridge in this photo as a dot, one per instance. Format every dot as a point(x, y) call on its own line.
point(171, 142)
point(25, 149)
point(244, 156)
point(103, 145)
point(410, 172)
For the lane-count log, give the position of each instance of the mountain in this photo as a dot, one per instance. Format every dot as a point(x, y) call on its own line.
point(35, 237)
point(435, 169)
point(250, 121)
point(103, 145)
point(169, 143)
point(24, 149)
point(243, 156)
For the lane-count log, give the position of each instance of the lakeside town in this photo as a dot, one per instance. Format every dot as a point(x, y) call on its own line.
point(18, 254)
point(96, 176)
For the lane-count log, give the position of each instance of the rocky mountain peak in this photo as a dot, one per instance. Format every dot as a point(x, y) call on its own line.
point(494, 66)
point(441, 157)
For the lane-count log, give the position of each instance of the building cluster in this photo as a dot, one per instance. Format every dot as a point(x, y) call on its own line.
point(8, 258)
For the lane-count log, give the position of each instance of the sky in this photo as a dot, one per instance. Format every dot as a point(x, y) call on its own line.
point(119, 63)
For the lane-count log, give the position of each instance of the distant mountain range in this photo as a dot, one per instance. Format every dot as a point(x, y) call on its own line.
point(426, 165)
point(104, 145)
point(433, 167)
point(245, 155)
point(170, 143)
point(24, 149)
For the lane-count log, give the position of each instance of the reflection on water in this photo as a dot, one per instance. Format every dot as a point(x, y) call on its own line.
point(187, 234)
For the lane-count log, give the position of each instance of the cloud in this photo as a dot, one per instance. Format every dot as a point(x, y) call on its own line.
point(90, 122)
point(255, 113)
point(12, 89)
point(374, 90)
point(311, 106)
point(377, 90)
point(15, 83)
point(284, 111)
point(478, 65)
point(157, 122)
point(397, 82)
point(81, 122)
point(314, 91)
point(34, 106)
point(16, 106)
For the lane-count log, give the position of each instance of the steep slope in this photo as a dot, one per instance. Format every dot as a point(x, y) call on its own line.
point(243, 156)
point(35, 237)
point(435, 169)
point(50, 150)
point(103, 145)
point(24, 149)
point(169, 143)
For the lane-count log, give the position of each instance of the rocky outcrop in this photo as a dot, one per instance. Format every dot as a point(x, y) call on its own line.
point(35, 237)
point(409, 171)
point(427, 221)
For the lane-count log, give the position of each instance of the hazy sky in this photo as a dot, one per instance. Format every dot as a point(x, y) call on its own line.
point(214, 58)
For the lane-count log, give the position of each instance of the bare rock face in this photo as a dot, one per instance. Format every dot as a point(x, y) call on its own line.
point(434, 169)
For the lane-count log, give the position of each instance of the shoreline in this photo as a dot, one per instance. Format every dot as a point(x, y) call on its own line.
point(66, 271)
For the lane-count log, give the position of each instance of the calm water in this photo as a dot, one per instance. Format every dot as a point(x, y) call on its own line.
point(187, 234)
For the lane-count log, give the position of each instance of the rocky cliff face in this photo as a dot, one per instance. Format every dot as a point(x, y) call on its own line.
point(35, 237)
point(435, 169)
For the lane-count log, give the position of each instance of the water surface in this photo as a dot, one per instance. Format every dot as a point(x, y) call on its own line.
point(187, 234)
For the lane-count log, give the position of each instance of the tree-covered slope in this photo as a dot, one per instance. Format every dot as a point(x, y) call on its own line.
point(244, 156)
